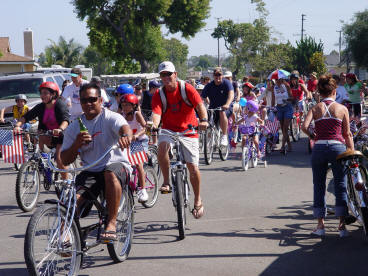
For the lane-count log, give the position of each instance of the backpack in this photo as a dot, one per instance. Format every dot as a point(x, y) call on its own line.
point(183, 94)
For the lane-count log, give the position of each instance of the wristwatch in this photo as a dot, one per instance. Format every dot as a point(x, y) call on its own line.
point(203, 120)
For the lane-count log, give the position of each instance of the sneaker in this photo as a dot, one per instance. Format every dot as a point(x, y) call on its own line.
point(224, 142)
point(142, 196)
point(319, 232)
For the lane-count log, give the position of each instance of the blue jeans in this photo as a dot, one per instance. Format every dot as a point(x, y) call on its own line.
point(323, 155)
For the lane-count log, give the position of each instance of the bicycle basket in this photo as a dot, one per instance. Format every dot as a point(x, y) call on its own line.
point(247, 130)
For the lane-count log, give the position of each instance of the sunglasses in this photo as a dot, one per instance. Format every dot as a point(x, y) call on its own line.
point(168, 74)
point(88, 100)
point(217, 75)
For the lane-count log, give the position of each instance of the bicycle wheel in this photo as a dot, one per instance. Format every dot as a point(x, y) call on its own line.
point(151, 187)
point(268, 147)
point(17, 166)
point(358, 200)
point(245, 158)
point(201, 141)
point(119, 250)
point(44, 253)
point(180, 208)
point(153, 160)
point(27, 186)
point(254, 158)
point(223, 151)
point(294, 129)
point(208, 145)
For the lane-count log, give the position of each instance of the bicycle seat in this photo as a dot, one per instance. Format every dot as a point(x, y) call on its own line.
point(349, 154)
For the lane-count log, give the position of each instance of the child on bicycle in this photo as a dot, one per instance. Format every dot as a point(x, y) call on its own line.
point(251, 118)
point(129, 105)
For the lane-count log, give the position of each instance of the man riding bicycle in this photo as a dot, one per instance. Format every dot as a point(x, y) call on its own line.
point(220, 93)
point(105, 129)
point(177, 116)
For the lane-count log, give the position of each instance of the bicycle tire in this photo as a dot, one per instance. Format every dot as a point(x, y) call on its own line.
point(153, 152)
point(33, 237)
point(208, 145)
point(245, 159)
point(28, 168)
point(16, 166)
point(223, 150)
point(152, 191)
point(180, 208)
point(119, 250)
point(254, 158)
point(294, 129)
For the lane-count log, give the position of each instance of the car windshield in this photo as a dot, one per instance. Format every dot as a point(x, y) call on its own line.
point(10, 88)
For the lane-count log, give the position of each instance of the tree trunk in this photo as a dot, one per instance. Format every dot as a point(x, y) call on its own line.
point(144, 65)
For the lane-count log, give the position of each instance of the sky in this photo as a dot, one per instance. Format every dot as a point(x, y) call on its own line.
point(51, 18)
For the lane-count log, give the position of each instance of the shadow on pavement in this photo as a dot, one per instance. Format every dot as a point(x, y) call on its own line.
point(13, 271)
point(151, 232)
point(315, 256)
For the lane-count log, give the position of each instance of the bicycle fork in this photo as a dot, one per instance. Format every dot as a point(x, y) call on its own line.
point(358, 182)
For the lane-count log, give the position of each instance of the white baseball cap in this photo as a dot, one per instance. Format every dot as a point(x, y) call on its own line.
point(166, 66)
point(228, 74)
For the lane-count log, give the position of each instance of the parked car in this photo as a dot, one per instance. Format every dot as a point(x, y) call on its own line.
point(13, 84)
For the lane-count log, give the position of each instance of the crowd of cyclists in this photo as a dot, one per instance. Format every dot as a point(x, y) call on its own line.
point(176, 105)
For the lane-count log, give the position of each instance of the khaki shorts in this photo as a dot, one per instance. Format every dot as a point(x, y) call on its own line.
point(190, 147)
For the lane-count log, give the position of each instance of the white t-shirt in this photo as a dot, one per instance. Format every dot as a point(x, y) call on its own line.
point(268, 95)
point(71, 95)
point(281, 94)
point(104, 130)
point(341, 94)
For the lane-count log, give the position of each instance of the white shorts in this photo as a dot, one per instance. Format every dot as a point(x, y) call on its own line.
point(190, 147)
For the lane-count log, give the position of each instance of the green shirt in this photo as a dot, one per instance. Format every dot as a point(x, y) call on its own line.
point(354, 92)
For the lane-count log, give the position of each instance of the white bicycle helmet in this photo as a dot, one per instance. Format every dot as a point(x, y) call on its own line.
point(21, 97)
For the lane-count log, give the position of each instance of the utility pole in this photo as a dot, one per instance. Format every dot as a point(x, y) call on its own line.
point(339, 45)
point(218, 44)
point(302, 34)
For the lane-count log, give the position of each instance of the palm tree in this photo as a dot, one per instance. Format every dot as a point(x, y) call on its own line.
point(64, 53)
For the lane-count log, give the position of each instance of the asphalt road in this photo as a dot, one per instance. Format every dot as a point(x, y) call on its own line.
point(256, 223)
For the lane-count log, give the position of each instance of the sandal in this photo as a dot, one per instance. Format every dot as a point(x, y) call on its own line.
point(108, 237)
point(165, 189)
point(198, 211)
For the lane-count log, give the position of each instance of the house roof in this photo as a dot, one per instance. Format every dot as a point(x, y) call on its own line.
point(332, 59)
point(7, 56)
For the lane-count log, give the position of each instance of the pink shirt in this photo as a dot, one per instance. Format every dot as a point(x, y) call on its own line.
point(49, 119)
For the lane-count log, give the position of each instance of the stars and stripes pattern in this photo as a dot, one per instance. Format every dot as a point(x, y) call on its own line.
point(273, 126)
point(136, 153)
point(11, 144)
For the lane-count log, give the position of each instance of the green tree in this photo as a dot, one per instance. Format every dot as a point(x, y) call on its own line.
point(317, 63)
point(304, 51)
point(177, 53)
point(64, 53)
point(244, 40)
point(356, 38)
point(274, 56)
point(131, 28)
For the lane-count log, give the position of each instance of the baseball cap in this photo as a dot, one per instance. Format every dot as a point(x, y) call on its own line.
point(166, 66)
point(153, 84)
point(75, 72)
point(228, 74)
point(217, 70)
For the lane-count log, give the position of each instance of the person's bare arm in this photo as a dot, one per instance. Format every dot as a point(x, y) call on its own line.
point(230, 98)
point(142, 122)
point(202, 113)
point(346, 133)
point(156, 119)
point(307, 121)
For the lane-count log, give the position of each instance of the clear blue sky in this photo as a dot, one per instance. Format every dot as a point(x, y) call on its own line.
point(51, 18)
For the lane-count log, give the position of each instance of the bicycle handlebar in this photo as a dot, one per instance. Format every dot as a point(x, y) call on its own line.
point(81, 168)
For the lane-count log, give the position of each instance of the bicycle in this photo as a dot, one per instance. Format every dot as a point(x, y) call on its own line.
point(55, 242)
point(28, 181)
point(357, 189)
point(179, 178)
point(212, 138)
point(151, 185)
point(249, 151)
point(295, 124)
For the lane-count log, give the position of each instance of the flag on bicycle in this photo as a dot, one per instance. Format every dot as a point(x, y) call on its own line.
point(136, 153)
point(273, 126)
point(11, 144)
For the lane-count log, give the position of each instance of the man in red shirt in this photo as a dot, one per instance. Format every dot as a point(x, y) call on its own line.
point(177, 117)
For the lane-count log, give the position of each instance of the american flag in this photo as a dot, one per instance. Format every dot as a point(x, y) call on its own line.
point(11, 144)
point(273, 126)
point(136, 153)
